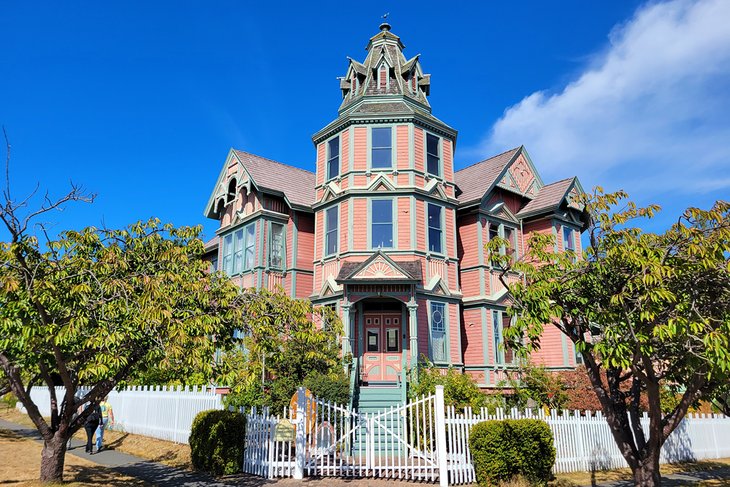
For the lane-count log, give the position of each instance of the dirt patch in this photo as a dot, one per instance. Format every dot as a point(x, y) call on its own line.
point(20, 463)
point(165, 452)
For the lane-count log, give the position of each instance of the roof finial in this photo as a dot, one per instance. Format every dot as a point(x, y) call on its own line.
point(385, 25)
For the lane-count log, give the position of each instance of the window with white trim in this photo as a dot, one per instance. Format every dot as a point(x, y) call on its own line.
point(433, 155)
point(435, 228)
point(277, 250)
point(331, 230)
point(381, 150)
point(381, 223)
point(333, 158)
point(438, 332)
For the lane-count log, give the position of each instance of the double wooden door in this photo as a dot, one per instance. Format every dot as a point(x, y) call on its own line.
point(382, 347)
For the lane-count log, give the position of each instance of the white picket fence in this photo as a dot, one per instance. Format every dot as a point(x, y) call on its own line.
point(583, 440)
point(157, 412)
point(425, 441)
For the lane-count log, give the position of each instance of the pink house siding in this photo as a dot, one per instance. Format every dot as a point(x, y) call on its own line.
point(361, 149)
point(404, 223)
point(403, 144)
point(472, 339)
point(448, 160)
point(321, 154)
point(418, 150)
point(345, 150)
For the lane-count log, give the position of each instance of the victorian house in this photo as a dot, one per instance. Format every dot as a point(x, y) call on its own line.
point(386, 231)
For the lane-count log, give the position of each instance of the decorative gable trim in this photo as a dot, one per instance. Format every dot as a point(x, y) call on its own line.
point(330, 287)
point(221, 186)
point(433, 186)
point(437, 286)
point(381, 181)
point(377, 267)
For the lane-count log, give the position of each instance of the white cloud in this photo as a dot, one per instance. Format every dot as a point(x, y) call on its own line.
point(650, 114)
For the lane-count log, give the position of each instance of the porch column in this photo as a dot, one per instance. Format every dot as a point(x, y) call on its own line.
point(347, 328)
point(413, 330)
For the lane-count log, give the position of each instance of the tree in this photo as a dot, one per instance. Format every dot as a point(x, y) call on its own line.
point(289, 342)
point(535, 384)
point(642, 308)
point(93, 307)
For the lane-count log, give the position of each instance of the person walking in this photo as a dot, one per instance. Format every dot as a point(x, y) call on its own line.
point(107, 414)
point(92, 423)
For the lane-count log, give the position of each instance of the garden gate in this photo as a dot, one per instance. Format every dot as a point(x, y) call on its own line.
point(320, 438)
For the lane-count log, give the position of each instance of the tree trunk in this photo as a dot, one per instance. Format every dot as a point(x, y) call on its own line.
point(52, 459)
point(646, 473)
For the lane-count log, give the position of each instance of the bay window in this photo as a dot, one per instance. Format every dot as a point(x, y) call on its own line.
point(381, 225)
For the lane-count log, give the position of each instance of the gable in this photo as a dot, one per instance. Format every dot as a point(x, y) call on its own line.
point(521, 177)
point(380, 268)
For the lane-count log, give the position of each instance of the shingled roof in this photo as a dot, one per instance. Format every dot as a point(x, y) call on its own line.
point(548, 198)
point(297, 184)
point(475, 180)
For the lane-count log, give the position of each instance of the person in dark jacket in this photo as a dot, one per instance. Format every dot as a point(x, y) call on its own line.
point(93, 421)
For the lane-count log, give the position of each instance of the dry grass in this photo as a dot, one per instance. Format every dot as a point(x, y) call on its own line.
point(624, 474)
point(165, 452)
point(20, 463)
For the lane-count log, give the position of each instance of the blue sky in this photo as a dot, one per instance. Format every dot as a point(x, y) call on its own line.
point(140, 101)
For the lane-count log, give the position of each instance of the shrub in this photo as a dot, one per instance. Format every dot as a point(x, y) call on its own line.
point(333, 387)
point(503, 450)
point(9, 400)
point(460, 390)
point(217, 441)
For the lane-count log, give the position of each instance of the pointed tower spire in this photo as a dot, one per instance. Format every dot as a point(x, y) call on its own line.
point(385, 72)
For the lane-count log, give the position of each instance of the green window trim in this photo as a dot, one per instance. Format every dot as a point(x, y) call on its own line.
point(435, 233)
point(438, 332)
point(434, 155)
point(331, 230)
point(239, 247)
point(333, 158)
point(277, 250)
point(382, 223)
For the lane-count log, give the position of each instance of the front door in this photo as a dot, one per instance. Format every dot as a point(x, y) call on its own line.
point(382, 351)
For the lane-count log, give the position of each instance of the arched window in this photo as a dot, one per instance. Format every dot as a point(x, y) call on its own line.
point(231, 191)
point(219, 208)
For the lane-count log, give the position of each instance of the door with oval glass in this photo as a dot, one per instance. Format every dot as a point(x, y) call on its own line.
point(382, 353)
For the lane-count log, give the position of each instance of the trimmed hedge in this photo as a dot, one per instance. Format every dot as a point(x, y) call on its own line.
point(217, 440)
point(506, 449)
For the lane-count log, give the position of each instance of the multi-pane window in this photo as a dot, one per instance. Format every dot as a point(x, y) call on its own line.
point(435, 230)
point(438, 332)
point(568, 239)
point(381, 225)
point(214, 264)
point(510, 235)
point(331, 232)
point(500, 322)
point(333, 158)
point(249, 247)
point(239, 250)
point(433, 155)
point(227, 254)
point(382, 147)
point(277, 251)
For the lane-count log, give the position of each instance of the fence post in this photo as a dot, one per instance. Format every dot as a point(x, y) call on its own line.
point(301, 438)
point(441, 437)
